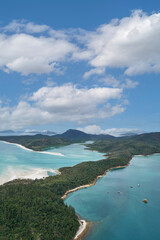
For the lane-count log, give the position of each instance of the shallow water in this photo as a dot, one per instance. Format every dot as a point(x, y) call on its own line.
point(123, 216)
point(16, 162)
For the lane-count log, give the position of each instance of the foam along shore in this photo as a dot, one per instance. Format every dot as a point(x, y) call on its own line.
point(44, 152)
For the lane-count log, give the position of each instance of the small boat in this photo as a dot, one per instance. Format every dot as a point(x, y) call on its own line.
point(131, 186)
point(145, 200)
point(119, 192)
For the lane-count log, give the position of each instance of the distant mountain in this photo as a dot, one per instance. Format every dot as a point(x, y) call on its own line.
point(30, 132)
point(47, 132)
point(74, 134)
point(77, 135)
point(7, 131)
point(71, 134)
point(128, 134)
point(34, 132)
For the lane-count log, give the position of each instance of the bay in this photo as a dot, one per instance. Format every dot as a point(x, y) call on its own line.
point(117, 216)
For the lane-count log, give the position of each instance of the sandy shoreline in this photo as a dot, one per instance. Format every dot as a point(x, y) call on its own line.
point(91, 184)
point(84, 225)
point(83, 229)
point(58, 172)
point(44, 152)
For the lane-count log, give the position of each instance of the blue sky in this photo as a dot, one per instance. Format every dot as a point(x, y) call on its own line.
point(91, 65)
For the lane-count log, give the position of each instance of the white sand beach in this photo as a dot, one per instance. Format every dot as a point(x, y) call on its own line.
point(81, 229)
point(44, 152)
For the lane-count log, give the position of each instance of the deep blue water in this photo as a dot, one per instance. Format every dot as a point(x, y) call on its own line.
point(123, 216)
point(16, 162)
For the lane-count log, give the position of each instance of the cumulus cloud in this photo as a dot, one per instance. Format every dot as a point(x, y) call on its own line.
point(131, 43)
point(24, 26)
point(92, 129)
point(64, 103)
point(95, 129)
point(93, 71)
point(111, 81)
point(26, 53)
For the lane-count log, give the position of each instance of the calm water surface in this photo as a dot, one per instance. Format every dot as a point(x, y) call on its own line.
point(123, 216)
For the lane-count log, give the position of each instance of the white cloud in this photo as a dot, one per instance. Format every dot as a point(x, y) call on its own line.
point(95, 129)
point(129, 84)
point(28, 54)
point(58, 104)
point(111, 81)
point(123, 131)
point(92, 129)
point(24, 26)
point(93, 71)
point(131, 43)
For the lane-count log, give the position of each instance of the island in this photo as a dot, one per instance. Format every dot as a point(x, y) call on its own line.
point(35, 209)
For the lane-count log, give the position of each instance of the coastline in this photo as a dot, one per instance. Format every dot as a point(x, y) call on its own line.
point(31, 150)
point(90, 184)
point(81, 233)
point(58, 172)
point(84, 225)
point(83, 229)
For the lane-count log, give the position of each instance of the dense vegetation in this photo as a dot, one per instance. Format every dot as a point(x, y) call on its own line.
point(31, 212)
point(35, 210)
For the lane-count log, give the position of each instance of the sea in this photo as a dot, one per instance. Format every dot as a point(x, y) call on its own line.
point(114, 205)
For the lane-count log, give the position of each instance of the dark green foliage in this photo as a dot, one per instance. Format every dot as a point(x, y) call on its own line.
point(29, 211)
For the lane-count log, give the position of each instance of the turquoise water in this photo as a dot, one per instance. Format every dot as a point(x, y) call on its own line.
point(123, 216)
point(16, 162)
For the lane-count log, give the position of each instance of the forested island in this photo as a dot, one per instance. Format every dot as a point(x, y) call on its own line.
point(35, 209)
